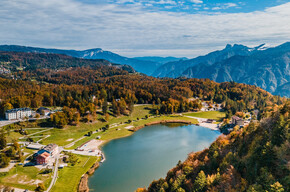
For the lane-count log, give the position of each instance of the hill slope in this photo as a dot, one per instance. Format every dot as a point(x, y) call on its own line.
point(18, 61)
point(143, 66)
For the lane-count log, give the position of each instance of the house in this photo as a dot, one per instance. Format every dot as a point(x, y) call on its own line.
point(18, 113)
point(43, 155)
point(52, 149)
point(210, 121)
point(42, 158)
point(43, 111)
point(237, 121)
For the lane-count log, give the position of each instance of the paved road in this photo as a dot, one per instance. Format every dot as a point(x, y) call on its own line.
point(55, 171)
point(8, 122)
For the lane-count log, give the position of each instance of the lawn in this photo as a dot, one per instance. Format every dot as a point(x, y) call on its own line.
point(63, 136)
point(25, 177)
point(69, 177)
point(13, 136)
point(217, 115)
point(120, 130)
point(114, 133)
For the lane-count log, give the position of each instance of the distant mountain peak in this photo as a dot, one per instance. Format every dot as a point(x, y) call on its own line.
point(235, 47)
point(228, 46)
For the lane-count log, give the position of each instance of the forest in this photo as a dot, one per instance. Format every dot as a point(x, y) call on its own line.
point(252, 159)
point(51, 80)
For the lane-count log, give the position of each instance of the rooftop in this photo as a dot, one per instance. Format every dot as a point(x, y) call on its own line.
point(44, 155)
point(18, 109)
point(50, 147)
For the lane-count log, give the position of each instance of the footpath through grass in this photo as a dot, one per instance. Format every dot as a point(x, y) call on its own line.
point(217, 115)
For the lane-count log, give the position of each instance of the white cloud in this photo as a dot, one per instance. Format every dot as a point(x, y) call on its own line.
point(196, 1)
point(170, 2)
point(132, 31)
point(224, 6)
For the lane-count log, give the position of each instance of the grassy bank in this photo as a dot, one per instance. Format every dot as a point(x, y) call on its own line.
point(69, 177)
point(217, 115)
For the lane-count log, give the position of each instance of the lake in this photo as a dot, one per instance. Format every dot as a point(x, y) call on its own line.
point(147, 155)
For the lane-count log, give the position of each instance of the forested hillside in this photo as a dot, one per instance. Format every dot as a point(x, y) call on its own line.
point(32, 61)
point(255, 158)
point(171, 95)
point(141, 65)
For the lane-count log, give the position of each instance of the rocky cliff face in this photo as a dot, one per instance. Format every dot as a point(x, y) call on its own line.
point(267, 69)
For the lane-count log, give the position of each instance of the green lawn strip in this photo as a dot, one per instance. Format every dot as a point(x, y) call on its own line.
point(24, 177)
point(69, 177)
point(121, 131)
point(113, 133)
point(34, 130)
point(62, 136)
point(217, 115)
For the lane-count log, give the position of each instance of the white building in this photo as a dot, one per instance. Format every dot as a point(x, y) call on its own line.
point(18, 113)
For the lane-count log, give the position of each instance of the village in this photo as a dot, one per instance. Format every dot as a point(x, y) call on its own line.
point(53, 157)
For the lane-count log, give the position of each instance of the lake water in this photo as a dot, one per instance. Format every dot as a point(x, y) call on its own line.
point(147, 155)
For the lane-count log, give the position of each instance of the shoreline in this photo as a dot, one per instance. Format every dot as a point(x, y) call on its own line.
point(83, 184)
point(160, 122)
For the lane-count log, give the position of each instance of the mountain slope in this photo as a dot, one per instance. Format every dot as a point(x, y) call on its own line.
point(175, 69)
point(15, 61)
point(283, 90)
point(142, 66)
point(267, 69)
point(161, 60)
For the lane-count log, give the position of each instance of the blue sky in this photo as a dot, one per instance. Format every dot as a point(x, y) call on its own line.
point(145, 27)
point(195, 6)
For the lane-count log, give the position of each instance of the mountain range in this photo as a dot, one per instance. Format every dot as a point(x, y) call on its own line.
point(265, 67)
point(146, 65)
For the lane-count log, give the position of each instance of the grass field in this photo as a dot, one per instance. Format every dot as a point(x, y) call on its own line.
point(25, 178)
point(69, 177)
point(13, 136)
point(62, 136)
point(217, 115)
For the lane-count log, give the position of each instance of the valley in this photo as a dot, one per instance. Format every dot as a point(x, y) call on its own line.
point(80, 107)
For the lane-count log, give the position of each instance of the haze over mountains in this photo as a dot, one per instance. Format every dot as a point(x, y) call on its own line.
point(265, 67)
